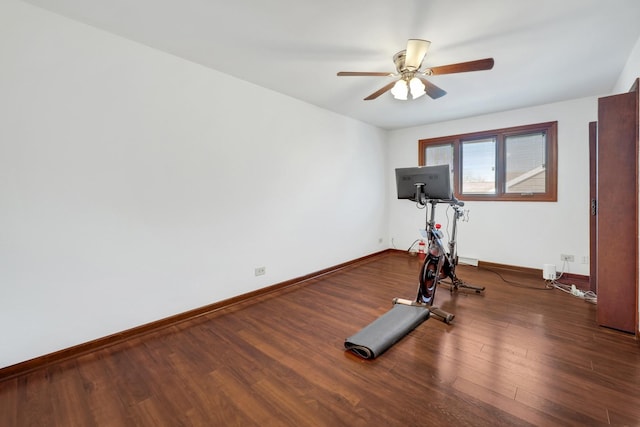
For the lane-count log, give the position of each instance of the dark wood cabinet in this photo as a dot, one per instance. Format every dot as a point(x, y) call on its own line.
point(616, 212)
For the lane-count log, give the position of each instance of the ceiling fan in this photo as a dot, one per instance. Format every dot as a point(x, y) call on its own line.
point(411, 80)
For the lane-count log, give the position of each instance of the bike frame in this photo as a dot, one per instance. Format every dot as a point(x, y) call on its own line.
point(435, 244)
point(439, 263)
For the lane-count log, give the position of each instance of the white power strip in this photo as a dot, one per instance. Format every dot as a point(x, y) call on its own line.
point(587, 296)
point(576, 292)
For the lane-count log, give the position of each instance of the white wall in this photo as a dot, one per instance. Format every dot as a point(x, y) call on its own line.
point(135, 185)
point(526, 234)
point(630, 72)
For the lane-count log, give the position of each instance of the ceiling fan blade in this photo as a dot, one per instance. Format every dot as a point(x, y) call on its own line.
point(416, 50)
point(363, 73)
point(462, 67)
point(432, 90)
point(380, 91)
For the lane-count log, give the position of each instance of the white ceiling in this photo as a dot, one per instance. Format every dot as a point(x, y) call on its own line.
point(544, 50)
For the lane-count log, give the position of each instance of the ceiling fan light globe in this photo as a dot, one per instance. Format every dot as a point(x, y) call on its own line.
point(400, 90)
point(417, 88)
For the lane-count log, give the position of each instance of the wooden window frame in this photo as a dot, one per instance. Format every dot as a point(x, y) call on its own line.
point(551, 164)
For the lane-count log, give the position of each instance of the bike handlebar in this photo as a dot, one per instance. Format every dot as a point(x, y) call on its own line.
point(455, 201)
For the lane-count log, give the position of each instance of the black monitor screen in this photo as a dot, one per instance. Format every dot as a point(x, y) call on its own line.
point(436, 182)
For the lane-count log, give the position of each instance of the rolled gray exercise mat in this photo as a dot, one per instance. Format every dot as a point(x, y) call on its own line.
point(375, 338)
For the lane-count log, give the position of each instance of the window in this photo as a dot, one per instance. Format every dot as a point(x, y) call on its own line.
point(478, 172)
point(514, 164)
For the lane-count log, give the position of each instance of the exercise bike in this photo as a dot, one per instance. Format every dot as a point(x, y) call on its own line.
point(440, 264)
point(430, 186)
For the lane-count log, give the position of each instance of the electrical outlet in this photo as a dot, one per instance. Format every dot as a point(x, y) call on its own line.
point(585, 260)
point(568, 258)
point(260, 271)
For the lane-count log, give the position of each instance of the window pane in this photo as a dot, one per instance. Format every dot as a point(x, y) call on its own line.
point(525, 169)
point(479, 166)
point(441, 154)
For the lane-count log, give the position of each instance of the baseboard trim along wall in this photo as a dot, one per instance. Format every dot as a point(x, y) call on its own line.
point(513, 268)
point(58, 356)
point(532, 271)
point(77, 350)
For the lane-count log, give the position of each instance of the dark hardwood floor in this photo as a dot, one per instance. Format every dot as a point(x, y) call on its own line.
point(515, 356)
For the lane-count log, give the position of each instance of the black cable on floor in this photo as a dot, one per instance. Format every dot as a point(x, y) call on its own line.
point(519, 285)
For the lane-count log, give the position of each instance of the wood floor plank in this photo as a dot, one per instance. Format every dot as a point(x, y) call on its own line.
point(525, 415)
point(550, 404)
point(519, 355)
point(9, 401)
point(106, 406)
